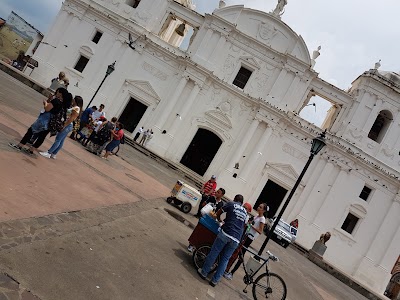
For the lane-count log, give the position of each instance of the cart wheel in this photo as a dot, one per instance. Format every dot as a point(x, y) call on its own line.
point(186, 207)
point(199, 256)
point(169, 200)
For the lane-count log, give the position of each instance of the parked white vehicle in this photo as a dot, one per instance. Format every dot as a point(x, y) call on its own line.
point(284, 234)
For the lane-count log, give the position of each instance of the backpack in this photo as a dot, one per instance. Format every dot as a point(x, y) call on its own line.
point(56, 123)
point(122, 140)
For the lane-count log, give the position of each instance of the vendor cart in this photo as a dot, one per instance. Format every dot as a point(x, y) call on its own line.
point(184, 195)
point(202, 238)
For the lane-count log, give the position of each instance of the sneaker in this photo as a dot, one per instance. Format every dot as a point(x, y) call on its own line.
point(228, 275)
point(52, 156)
point(190, 248)
point(199, 271)
point(15, 146)
point(212, 283)
point(29, 152)
point(45, 154)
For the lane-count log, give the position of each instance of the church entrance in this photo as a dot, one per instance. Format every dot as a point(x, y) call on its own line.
point(201, 151)
point(393, 288)
point(132, 114)
point(272, 194)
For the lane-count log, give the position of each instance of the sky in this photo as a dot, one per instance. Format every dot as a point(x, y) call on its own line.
point(353, 34)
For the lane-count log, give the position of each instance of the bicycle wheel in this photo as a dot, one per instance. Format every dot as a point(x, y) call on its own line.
point(199, 256)
point(269, 286)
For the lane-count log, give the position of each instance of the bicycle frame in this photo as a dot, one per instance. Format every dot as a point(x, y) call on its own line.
point(249, 276)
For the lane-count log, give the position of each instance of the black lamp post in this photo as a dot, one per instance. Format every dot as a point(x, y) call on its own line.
point(317, 144)
point(110, 69)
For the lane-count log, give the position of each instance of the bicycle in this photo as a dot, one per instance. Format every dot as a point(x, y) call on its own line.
point(266, 286)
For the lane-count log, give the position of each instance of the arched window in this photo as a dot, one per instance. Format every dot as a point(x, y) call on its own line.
point(380, 126)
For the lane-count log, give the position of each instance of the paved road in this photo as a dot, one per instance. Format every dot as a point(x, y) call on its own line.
point(80, 227)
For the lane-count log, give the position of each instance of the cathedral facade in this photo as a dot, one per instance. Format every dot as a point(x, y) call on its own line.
point(222, 93)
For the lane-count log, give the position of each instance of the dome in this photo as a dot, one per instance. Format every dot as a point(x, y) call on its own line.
point(267, 29)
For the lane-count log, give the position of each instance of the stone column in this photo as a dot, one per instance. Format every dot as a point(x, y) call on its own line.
point(206, 39)
point(53, 37)
point(69, 35)
point(275, 88)
point(386, 232)
point(243, 144)
point(166, 111)
point(214, 57)
point(326, 197)
point(372, 116)
point(310, 183)
point(184, 110)
point(355, 110)
point(314, 197)
point(393, 128)
point(292, 89)
point(252, 161)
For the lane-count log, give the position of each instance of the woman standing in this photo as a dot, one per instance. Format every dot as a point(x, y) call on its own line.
point(256, 229)
point(117, 135)
point(71, 115)
point(39, 129)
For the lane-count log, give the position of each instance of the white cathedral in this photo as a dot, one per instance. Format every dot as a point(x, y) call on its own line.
point(223, 92)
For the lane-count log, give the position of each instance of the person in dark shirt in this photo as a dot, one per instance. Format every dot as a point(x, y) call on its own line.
point(216, 200)
point(39, 129)
point(227, 239)
point(85, 119)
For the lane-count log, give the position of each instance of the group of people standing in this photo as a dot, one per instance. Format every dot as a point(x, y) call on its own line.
point(239, 228)
point(96, 133)
point(61, 114)
point(56, 117)
point(145, 138)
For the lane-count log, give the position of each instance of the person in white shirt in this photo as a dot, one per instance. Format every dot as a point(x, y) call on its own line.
point(97, 124)
point(256, 229)
point(98, 113)
point(149, 137)
point(144, 137)
point(138, 133)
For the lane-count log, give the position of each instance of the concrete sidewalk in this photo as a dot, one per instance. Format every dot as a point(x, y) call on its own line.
point(134, 251)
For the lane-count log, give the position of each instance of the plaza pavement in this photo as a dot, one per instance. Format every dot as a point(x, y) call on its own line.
point(79, 227)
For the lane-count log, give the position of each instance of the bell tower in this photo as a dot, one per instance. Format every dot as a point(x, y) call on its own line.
point(373, 120)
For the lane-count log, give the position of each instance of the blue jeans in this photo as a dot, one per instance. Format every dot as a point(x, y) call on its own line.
point(223, 246)
point(60, 138)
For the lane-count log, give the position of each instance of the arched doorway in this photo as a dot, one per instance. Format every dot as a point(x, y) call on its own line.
point(272, 194)
point(132, 114)
point(393, 288)
point(201, 151)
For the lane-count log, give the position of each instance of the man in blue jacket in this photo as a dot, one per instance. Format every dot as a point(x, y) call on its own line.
point(227, 240)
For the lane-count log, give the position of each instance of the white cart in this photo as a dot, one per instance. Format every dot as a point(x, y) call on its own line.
point(184, 195)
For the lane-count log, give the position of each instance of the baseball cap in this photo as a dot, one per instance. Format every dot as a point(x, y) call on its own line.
point(247, 206)
point(213, 176)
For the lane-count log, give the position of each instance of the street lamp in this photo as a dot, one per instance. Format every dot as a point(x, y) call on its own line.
point(110, 69)
point(317, 144)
